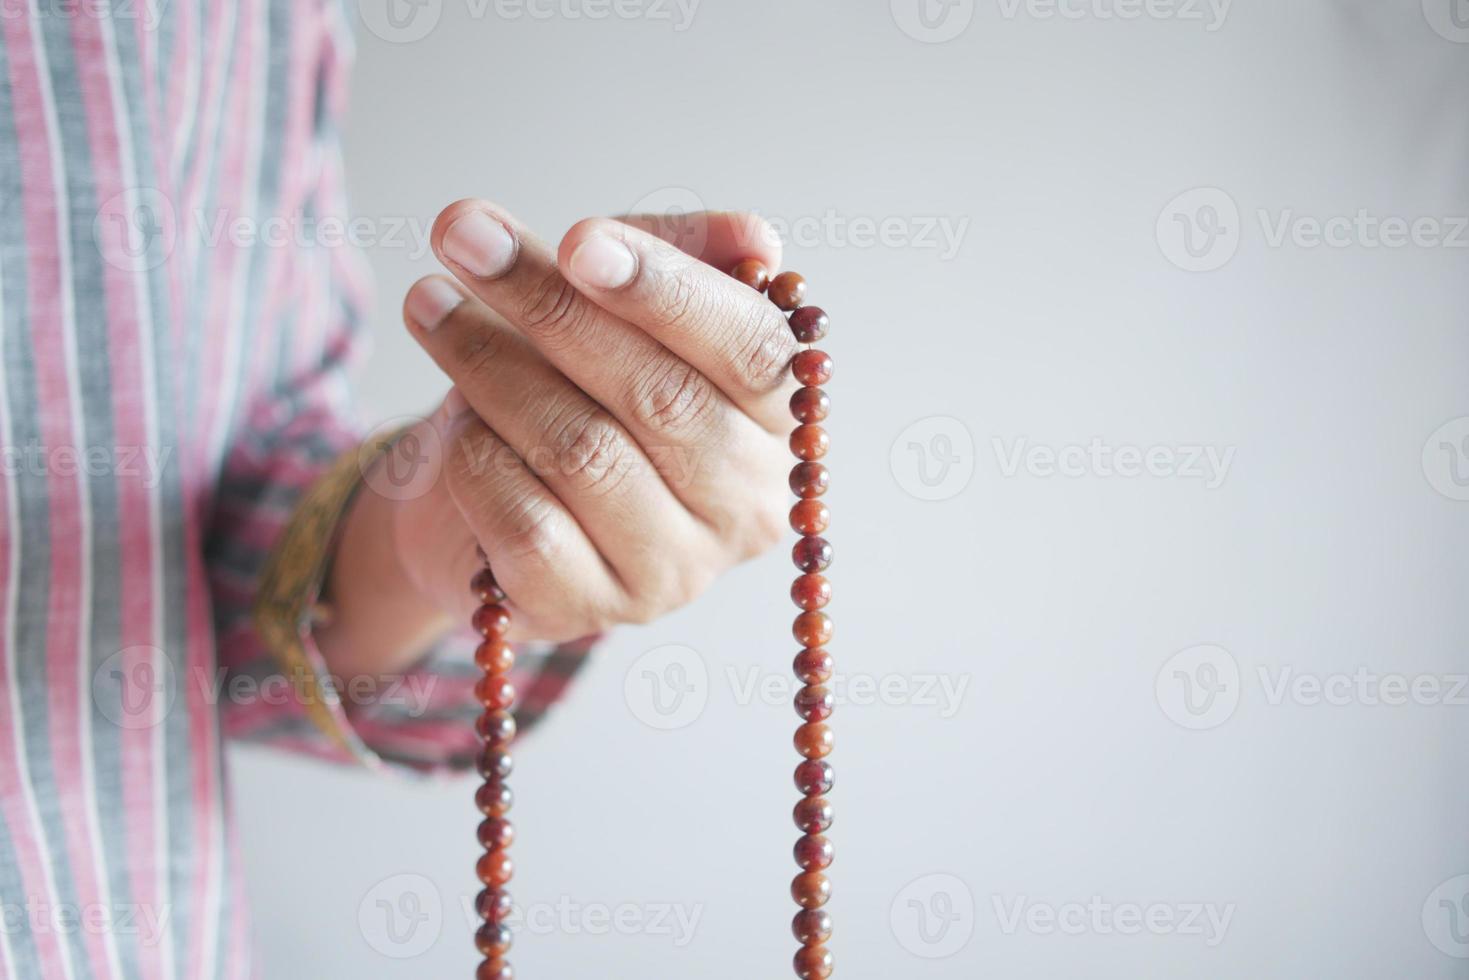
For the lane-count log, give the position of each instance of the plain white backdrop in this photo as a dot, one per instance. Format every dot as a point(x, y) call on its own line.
point(1151, 484)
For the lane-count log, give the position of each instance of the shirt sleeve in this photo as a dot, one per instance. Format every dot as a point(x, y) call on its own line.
point(294, 424)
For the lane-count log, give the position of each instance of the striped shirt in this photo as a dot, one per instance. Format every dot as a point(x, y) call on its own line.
point(175, 324)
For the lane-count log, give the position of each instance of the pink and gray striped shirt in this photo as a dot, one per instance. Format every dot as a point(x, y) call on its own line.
point(171, 378)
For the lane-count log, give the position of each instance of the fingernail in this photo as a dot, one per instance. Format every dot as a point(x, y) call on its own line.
point(480, 244)
point(604, 262)
point(431, 301)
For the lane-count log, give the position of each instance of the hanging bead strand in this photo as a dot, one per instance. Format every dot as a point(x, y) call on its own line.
point(496, 728)
point(810, 592)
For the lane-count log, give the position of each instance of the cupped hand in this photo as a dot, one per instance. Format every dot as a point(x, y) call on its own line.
point(616, 432)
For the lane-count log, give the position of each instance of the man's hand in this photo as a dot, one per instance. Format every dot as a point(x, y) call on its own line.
point(615, 436)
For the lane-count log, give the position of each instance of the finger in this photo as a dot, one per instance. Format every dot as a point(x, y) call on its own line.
point(575, 446)
point(714, 458)
point(548, 567)
point(719, 238)
point(731, 333)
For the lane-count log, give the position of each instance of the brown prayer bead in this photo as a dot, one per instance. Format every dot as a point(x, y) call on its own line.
point(494, 656)
point(493, 939)
point(815, 703)
point(810, 517)
point(812, 367)
point(809, 480)
point(811, 926)
point(813, 740)
point(787, 290)
point(494, 763)
point(494, 867)
point(494, 799)
point(814, 777)
point(809, 442)
point(494, 692)
point(813, 963)
point(810, 404)
point(810, 889)
point(809, 324)
point(491, 619)
point(494, 905)
point(811, 591)
point(495, 969)
point(752, 273)
point(496, 833)
point(812, 554)
point(813, 814)
point(812, 629)
point(495, 727)
point(813, 666)
point(813, 852)
point(484, 587)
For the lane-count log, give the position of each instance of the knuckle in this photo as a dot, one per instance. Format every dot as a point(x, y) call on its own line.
point(675, 398)
point(552, 310)
point(762, 349)
point(530, 530)
point(680, 302)
point(592, 453)
point(479, 349)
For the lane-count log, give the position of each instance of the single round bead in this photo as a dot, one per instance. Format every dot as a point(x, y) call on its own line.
point(811, 591)
point(809, 442)
point(496, 833)
point(812, 554)
point(814, 777)
point(494, 763)
point(787, 290)
point(494, 904)
point(493, 939)
point(493, 619)
point(810, 889)
point(813, 963)
point(815, 702)
point(811, 926)
point(494, 799)
point(812, 367)
point(494, 867)
point(814, 852)
point(494, 656)
point(810, 517)
point(812, 629)
point(809, 480)
point(484, 587)
point(752, 273)
point(809, 324)
point(494, 969)
point(813, 740)
point(495, 691)
point(495, 727)
point(813, 666)
point(810, 404)
point(813, 814)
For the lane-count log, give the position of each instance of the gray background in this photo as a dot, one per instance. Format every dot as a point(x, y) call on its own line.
point(1079, 766)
